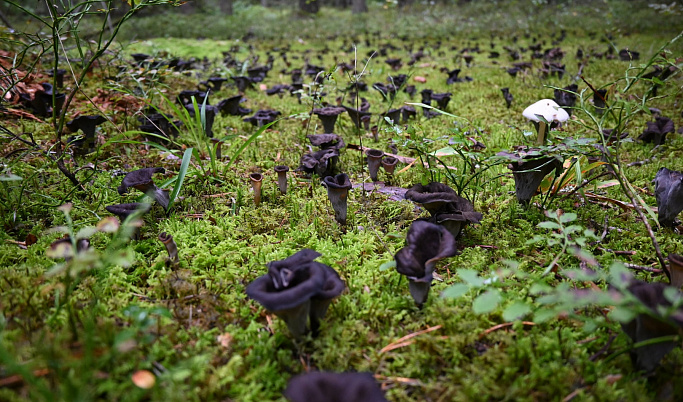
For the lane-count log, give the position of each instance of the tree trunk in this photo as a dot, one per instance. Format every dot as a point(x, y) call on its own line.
point(309, 6)
point(359, 6)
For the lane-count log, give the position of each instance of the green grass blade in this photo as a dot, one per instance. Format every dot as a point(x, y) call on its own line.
point(184, 165)
point(249, 140)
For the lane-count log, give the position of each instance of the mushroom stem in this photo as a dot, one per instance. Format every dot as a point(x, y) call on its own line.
point(256, 181)
point(419, 290)
point(541, 133)
point(296, 318)
point(171, 248)
point(282, 178)
point(218, 143)
point(374, 161)
point(375, 132)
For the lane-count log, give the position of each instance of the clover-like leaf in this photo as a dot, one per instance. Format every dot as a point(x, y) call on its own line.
point(486, 302)
point(516, 310)
point(454, 291)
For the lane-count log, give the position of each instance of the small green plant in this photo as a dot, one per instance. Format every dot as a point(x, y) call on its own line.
point(573, 238)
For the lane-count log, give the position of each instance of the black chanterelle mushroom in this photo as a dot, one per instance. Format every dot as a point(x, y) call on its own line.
point(669, 194)
point(337, 192)
point(334, 387)
point(646, 326)
point(297, 288)
point(141, 179)
point(426, 243)
point(445, 206)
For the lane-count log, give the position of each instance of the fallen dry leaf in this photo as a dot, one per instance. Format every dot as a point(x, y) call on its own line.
point(224, 340)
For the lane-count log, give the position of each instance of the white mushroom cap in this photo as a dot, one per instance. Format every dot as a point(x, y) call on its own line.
point(547, 108)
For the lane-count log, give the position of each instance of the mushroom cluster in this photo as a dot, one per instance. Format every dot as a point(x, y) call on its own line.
point(296, 289)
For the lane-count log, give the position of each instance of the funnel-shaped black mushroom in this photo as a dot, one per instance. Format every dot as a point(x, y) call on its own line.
point(337, 192)
point(328, 115)
point(278, 89)
point(675, 270)
point(600, 101)
point(453, 77)
point(529, 167)
point(243, 83)
point(566, 97)
point(327, 141)
point(374, 162)
point(87, 124)
point(394, 115)
point(171, 248)
point(209, 115)
point(388, 91)
point(657, 130)
point(408, 112)
point(141, 179)
point(281, 171)
point(262, 117)
point(185, 97)
point(669, 194)
point(395, 64)
point(323, 162)
point(42, 102)
point(398, 80)
point(649, 326)
point(160, 124)
point(358, 117)
point(334, 387)
point(231, 106)
point(123, 211)
point(628, 55)
point(213, 83)
point(59, 76)
point(426, 243)
point(445, 206)
point(291, 284)
point(507, 96)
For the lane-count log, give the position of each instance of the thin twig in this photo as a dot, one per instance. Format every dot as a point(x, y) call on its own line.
point(503, 325)
point(642, 268)
point(404, 341)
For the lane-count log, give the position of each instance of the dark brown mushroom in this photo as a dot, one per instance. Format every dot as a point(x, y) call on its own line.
point(426, 243)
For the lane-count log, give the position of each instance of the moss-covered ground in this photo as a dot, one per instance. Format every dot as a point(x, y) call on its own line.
point(193, 325)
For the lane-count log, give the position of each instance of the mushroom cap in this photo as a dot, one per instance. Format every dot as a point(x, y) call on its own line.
point(281, 169)
point(325, 141)
point(295, 280)
point(140, 179)
point(329, 111)
point(333, 285)
point(425, 244)
point(551, 111)
point(438, 198)
point(124, 210)
point(669, 195)
point(289, 282)
point(340, 181)
point(334, 387)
